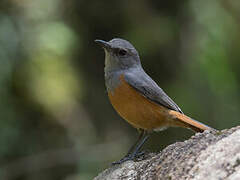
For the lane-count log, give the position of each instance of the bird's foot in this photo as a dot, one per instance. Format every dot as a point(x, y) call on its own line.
point(129, 157)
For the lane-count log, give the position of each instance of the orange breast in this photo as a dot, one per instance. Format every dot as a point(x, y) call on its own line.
point(138, 110)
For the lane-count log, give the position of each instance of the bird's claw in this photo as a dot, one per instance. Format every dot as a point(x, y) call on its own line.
point(129, 157)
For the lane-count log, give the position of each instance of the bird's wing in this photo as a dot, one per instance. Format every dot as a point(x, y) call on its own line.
point(140, 81)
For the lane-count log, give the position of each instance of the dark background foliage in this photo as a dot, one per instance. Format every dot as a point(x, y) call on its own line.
point(55, 119)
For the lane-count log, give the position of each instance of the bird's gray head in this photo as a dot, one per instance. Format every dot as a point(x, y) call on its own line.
point(119, 54)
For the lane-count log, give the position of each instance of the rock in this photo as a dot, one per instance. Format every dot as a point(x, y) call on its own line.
point(207, 155)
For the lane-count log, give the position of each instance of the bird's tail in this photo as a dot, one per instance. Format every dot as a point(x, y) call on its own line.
point(188, 122)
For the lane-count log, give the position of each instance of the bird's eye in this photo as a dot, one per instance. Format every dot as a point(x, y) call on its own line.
point(122, 52)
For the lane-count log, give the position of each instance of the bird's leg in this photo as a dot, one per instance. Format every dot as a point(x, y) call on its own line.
point(141, 134)
point(134, 150)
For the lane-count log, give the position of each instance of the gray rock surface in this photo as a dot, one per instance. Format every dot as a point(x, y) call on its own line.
point(205, 156)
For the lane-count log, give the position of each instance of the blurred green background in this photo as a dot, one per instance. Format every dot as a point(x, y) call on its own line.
point(55, 118)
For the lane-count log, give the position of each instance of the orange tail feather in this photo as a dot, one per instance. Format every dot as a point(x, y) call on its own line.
point(188, 122)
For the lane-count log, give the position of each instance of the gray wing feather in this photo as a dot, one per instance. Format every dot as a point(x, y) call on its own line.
point(139, 80)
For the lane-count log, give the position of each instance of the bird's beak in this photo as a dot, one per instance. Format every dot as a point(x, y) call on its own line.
point(103, 44)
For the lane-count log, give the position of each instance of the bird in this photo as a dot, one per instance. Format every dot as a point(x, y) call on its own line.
point(136, 96)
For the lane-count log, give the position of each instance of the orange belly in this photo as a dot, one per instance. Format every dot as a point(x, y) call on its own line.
point(138, 110)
